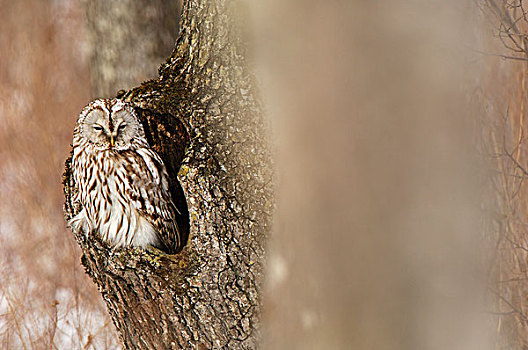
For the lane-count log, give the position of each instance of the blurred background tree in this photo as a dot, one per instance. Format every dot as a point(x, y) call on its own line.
point(129, 40)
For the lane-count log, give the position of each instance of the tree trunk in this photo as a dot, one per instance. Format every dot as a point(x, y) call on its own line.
point(129, 40)
point(202, 116)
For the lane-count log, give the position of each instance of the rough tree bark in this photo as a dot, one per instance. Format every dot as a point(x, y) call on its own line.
point(202, 115)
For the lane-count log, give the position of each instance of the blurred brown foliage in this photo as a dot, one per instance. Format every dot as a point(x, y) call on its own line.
point(46, 300)
point(503, 119)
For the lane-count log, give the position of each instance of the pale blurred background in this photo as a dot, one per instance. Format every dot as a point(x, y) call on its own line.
point(46, 300)
point(379, 238)
point(378, 109)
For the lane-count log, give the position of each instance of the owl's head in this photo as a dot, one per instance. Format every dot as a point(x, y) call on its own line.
point(109, 124)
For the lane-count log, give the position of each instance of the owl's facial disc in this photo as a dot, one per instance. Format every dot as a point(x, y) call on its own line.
point(114, 131)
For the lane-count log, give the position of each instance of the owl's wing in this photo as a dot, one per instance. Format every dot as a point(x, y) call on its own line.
point(148, 189)
point(169, 136)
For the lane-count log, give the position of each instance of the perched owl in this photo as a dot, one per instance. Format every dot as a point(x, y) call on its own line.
point(122, 183)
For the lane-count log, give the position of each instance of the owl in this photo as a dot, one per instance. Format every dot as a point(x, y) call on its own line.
point(122, 183)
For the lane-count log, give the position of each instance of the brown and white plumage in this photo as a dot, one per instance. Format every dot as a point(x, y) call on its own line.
point(122, 183)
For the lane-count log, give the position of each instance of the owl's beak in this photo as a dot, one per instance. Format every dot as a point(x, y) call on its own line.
point(112, 141)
